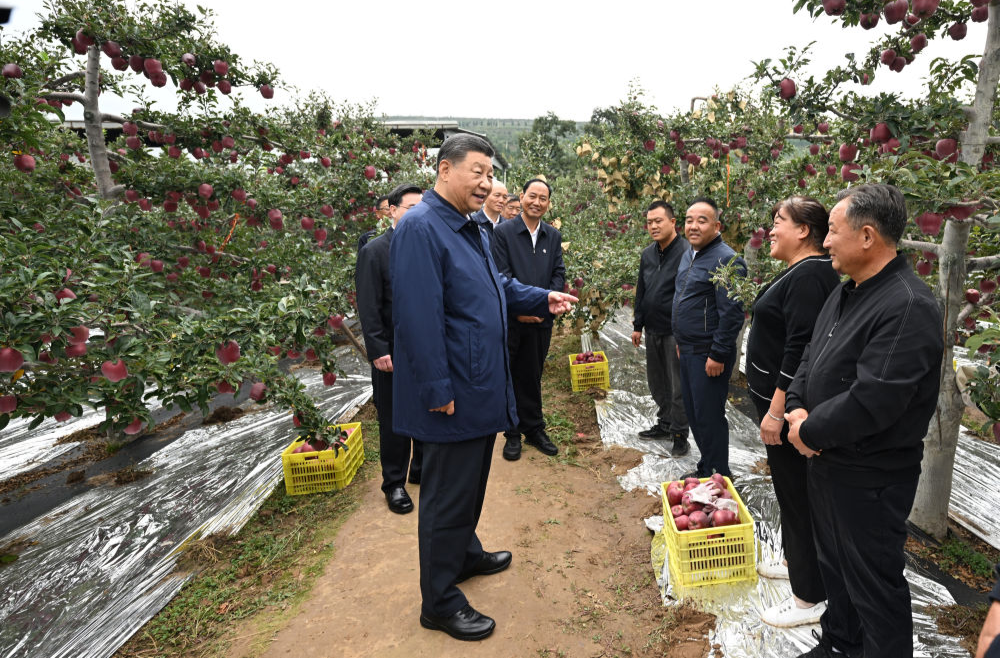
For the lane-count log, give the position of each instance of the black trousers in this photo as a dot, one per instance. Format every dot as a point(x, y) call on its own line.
point(663, 374)
point(860, 533)
point(705, 405)
point(788, 475)
point(451, 499)
point(394, 449)
point(528, 345)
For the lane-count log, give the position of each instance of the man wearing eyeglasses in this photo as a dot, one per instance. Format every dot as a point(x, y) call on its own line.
point(512, 208)
point(381, 212)
point(374, 298)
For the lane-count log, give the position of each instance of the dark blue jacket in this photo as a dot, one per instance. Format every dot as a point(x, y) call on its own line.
point(540, 265)
point(450, 318)
point(480, 218)
point(705, 320)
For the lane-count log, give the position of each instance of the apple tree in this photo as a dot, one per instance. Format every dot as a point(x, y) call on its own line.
point(173, 252)
point(939, 150)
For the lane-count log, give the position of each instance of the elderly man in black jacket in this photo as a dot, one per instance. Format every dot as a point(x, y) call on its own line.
point(374, 297)
point(529, 250)
point(654, 299)
point(858, 408)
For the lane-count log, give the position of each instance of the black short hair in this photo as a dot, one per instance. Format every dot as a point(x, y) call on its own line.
point(882, 206)
point(513, 197)
point(660, 203)
point(806, 211)
point(709, 201)
point(536, 180)
point(378, 201)
point(396, 196)
point(457, 147)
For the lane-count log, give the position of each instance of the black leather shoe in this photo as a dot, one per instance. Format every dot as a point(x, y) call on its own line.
point(512, 448)
point(489, 564)
point(414, 478)
point(541, 441)
point(399, 501)
point(681, 446)
point(654, 432)
point(466, 624)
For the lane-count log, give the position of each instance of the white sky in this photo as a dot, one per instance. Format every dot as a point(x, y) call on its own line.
point(521, 59)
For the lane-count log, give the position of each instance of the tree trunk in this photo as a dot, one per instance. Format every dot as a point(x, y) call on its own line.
point(930, 509)
point(92, 118)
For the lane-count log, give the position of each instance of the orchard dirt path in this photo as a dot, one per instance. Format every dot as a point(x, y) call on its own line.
point(580, 585)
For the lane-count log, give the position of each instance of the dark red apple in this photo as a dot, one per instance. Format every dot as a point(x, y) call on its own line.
point(958, 31)
point(895, 11)
point(697, 520)
point(988, 285)
point(674, 492)
point(8, 403)
point(682, 521)
point(944, 148)
point(79, 335)
point(134, 427)
point(369, 172)
point(888, 56)
point(972, 296)
point(12, 70)
point(329, 378)
point(918, 42)
point(847, 171)
point(308, 223)
point(228, 352)
point(24, 162)
point(929, 223)
point(980, 14)
point(834, 7)
point(925, 8)
point(787, 87)
point(335, 321)
point(868, 21)
point(62, 416)
point(205, 190)
point(114, 371)
point(65, 293)
point(881, 134)
point(10, 360)
point(266, 91)
point(257, 391)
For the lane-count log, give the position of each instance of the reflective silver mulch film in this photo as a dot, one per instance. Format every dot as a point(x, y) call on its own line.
point(95, 569)
point(739, 631)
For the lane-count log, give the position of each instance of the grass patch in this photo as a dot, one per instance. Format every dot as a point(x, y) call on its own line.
point(562, 431)
point(268, 567)
point(957, 552)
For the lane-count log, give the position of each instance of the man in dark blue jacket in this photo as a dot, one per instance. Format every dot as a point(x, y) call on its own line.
point(451, 383)
point(375, 312)
point(858, 408)
point(529, 250)
point(706, 323)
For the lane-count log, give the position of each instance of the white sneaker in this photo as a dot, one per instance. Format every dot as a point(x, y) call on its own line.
point(773, 571)
point(787, 614)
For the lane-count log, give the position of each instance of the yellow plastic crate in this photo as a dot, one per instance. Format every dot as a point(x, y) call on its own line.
point(312, 472)
point(589, 375)
point(710, 556)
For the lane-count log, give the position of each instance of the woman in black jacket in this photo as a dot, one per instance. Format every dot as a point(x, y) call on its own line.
point(783, 316)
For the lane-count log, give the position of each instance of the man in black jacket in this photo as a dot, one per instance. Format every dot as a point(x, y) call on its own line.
point(529, 250)
point(859, 407)
point(654, 298)
point(374, 297)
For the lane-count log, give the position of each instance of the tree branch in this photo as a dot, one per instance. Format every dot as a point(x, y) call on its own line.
point(843, 116)
point(932, 247)
point(983, 263)
point(64, 96)
point(58, 82)
point(965, 312)
point(145, 125)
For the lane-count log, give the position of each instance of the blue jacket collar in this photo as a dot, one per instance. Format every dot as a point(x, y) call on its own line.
point(449, 213)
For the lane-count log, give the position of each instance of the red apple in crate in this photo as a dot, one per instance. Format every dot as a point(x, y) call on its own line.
point(697, 520)
point(682, 521)
point(674, 492)
point(676, 511)
point(724, 517)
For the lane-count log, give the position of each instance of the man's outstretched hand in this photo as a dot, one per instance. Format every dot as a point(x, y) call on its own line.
point(560, 302)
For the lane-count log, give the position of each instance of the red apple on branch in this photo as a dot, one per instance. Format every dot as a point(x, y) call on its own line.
point(228, 352)
point(114, 371)
point(10, 360)
point(8, 403)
